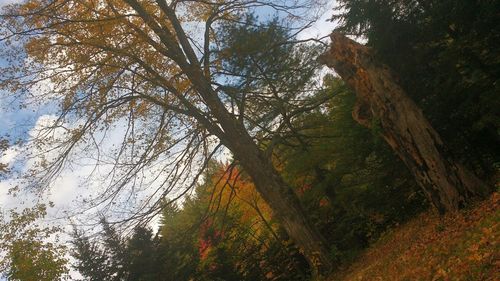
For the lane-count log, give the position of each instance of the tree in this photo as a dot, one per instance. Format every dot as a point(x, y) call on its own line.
point(26, 254)
point(223, 232)
point(382, 102)
point(137, 62)
point(445, 57)
point(457, 39)
point(118, 257)
point(100, 261)
point(4, 146)
point(350, 181)
point(238, 234)
point(143, 255)
point(91, 261)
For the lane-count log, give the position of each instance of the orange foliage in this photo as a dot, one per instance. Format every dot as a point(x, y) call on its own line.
point(234, 194)
point(462, 246)
point(236, 190)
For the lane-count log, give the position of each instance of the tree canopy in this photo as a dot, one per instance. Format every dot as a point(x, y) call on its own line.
point(214, 118)
point(25, 253)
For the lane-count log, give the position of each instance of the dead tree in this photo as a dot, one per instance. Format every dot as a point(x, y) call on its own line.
point(382, 102)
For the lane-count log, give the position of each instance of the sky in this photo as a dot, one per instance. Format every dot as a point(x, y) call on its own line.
point(6, 2)
point(67, 190)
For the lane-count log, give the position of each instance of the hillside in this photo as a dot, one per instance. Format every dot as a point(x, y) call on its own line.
point(463, 246)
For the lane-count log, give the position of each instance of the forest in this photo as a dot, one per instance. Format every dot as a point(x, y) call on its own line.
point(222, 140)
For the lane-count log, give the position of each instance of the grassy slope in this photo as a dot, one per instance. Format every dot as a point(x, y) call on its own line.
point(463, 246)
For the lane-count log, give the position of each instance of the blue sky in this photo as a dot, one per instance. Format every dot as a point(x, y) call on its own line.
point(15, 121)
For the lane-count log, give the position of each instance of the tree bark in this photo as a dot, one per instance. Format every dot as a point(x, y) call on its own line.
point(280, 197)
point(285, 205)
point(383, 104)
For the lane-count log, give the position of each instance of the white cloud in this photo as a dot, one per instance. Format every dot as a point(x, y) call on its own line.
point(7, 2)
point(85, 177)
point(9, 156)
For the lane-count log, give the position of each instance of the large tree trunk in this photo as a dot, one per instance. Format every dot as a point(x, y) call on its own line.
point(382, 102)
point(284, 204)
point(280, 197)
